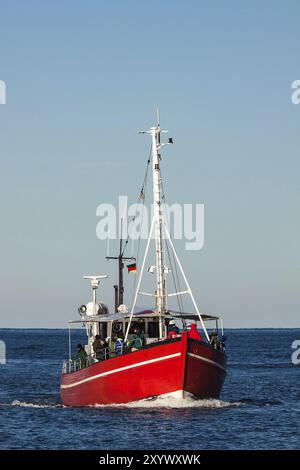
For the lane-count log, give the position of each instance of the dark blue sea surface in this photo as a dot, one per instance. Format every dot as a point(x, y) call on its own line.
point(259, 407)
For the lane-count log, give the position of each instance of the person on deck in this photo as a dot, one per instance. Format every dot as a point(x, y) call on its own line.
point(119, 344)
point(104, 349)
point(173, 331)
point(112, 344)
point(193, 332)
point(97, 347)
point(137, 340)
point(214, 341)
point(81, 355)
point(170, 324)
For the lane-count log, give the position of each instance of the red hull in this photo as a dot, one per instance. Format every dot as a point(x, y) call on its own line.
point(177, 367)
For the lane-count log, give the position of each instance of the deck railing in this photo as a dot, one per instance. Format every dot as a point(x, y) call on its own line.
point(73, 365)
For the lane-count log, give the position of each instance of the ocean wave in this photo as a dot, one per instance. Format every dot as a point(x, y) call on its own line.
point(260, 365)
point(260, 402)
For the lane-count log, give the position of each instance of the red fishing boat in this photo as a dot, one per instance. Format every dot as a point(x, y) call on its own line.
point(154, 357)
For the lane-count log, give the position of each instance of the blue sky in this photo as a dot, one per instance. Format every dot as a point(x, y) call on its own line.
point(82, 78)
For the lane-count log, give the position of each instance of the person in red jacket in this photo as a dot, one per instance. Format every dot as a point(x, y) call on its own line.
point(193, 332)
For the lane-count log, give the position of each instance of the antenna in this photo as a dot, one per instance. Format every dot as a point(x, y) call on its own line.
point(158, 126)
point(95, 279)
point(107, 248)
point(157, 116)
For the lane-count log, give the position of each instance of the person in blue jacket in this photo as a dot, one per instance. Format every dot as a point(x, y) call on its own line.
point(119, 344)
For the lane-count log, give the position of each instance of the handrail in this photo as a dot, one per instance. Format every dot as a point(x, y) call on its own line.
point(73, 365)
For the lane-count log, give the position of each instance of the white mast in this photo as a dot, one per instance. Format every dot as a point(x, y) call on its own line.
point(158, 226)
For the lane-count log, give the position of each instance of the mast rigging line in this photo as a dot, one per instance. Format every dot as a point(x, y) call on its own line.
point(141, 197)
point(119, 290)
point(139, 281)
point(179, 297)
point(142, 215)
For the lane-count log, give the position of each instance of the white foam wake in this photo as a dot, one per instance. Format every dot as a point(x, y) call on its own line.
point(23, 404)
point(172, 402)
point(158, 402)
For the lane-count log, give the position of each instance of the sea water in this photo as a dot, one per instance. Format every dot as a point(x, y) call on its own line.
point(259, 407)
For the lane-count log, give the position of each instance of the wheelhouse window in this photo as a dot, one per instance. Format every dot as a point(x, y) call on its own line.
point(153, 330)
point(136, 324)
point(103, 329)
